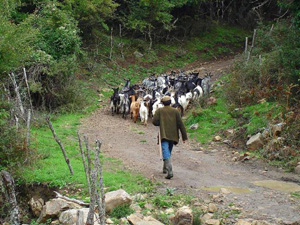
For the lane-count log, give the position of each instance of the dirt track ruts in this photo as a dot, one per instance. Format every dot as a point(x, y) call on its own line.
point(136, 146)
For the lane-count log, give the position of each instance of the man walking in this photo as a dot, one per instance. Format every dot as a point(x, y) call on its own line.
point(170, 122)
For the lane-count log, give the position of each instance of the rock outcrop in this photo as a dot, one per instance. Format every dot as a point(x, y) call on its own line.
point(116, 198)
point(255, 142)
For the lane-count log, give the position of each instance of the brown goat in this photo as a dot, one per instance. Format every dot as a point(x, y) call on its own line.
point(134, 108)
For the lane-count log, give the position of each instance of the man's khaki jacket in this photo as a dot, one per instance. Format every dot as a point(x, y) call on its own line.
point(170, 123)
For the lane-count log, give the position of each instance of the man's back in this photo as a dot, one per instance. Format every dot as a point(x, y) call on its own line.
point(170, 122)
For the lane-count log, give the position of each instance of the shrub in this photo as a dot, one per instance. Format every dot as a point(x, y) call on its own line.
point(276, 76)
point(12, 148)
point(121, 211)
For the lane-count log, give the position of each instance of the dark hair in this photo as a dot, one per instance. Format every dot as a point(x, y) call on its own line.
point(167, 102)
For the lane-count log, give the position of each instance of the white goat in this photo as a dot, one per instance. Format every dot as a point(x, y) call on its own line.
point(197, 92)
point(158, 104)
point(184, 100)
point(143, 113)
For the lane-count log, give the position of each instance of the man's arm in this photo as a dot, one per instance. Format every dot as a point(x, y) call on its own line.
point(181, 127)
point(155, 120)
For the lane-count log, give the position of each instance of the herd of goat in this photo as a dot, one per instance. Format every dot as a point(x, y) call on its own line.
point(141, 101)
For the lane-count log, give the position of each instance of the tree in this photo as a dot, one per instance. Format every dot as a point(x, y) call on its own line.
point(90, 14)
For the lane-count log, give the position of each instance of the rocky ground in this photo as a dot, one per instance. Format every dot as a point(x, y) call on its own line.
point(257, 190)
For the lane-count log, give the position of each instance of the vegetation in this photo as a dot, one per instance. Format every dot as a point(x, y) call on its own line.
point(66, 46)
point(261, 91)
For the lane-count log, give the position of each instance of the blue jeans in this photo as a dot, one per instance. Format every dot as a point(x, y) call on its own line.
point(167, 147)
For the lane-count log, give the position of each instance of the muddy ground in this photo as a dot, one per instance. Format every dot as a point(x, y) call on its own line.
point(200, 170)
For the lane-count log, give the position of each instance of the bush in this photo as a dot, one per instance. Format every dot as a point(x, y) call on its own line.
point(121, 211)
point(276, 76)
point(12, 148)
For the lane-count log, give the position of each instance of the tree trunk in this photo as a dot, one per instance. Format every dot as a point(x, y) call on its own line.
point(8, 184)
point(28, 89)
point(19, 101)
point(150, 38)
point(111, 43)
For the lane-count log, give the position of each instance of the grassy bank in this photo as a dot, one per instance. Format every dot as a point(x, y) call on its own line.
point(49, 166)
point(220, 41)
point(245, 121)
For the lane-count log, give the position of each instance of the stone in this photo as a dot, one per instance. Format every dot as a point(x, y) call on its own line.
point(212, 222)
point(183, 216)
point(243, 222)
point(266, 134)
point(275, 144)
point(260, 222)
point(277, 129)
point(297, 169)
point(211, 101)
point(135, 218)
point(194, 126)
point(136, 207)
point(148, 220)
point(36, 205)
point(206, 217)
point(212, 207)
point(224, 191)
point(54, 207)
point(139, 197)
point(234, 159)
point(217, 138)
point(228, 132)
point(148, 206)
point(138, 54)
point(169, 211)
point(55, 222)
point(236, 154)
point(255, 142)
point(123, 221)
point(228, 142)
point(204, 208)
point(116, 198)
point(109, 221)
point(70, 217)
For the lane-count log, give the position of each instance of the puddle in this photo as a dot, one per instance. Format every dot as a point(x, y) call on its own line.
point(278, 185)
point(236, 190)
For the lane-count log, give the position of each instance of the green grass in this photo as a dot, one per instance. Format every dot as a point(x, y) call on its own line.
point(258, 115)
point(210, 120)
point(215, 118)
point(49, 166)
point(164, 57)
point(295, 194)
point(121, 211)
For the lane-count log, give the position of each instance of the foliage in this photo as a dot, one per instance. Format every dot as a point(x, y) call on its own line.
point(12, 149)
point(294, 7)
point(15, 44)
point(121, 211)
point(90, 14)
point(49, 156)
point(54, 63)
point(276, 76)
point(211, 120)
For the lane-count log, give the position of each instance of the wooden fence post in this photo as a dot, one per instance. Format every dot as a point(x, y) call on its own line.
point(60, 145)
point(84, 164)
point(8, 184)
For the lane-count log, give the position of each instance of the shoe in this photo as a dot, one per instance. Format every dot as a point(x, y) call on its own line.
point(165, 168)
point(169, 169)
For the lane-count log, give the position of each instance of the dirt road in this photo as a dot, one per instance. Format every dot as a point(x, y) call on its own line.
point(200, 172)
